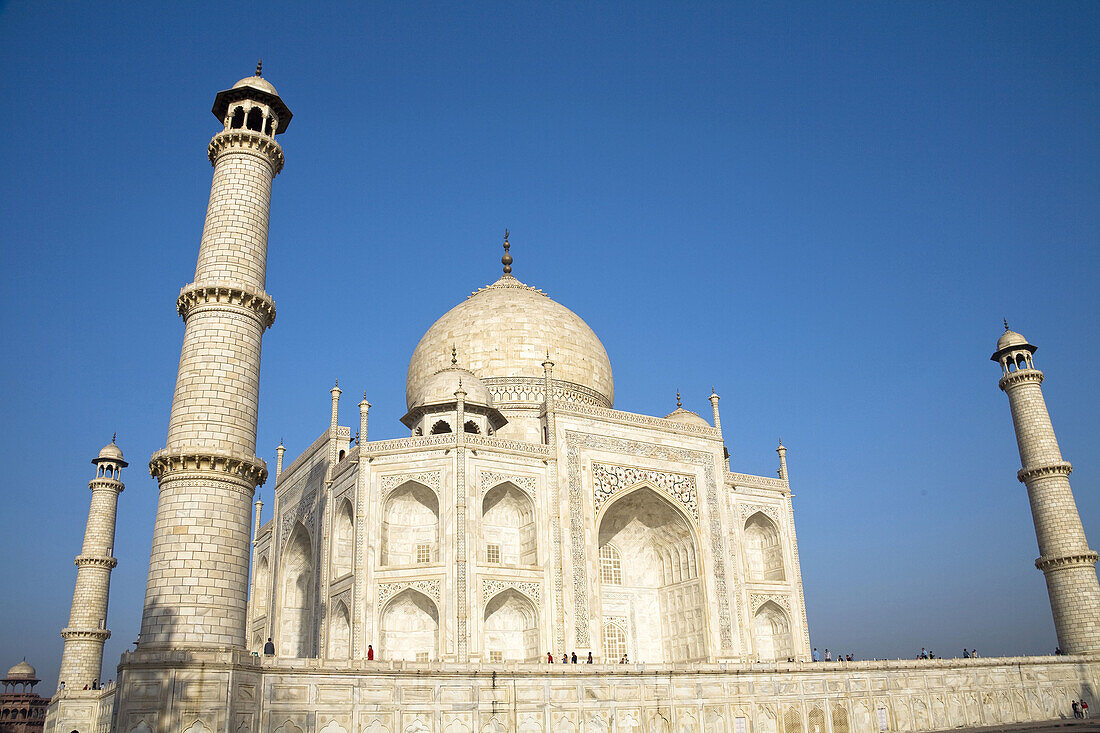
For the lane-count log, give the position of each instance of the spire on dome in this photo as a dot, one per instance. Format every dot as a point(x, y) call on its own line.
point(506, 260)
point(678, 404)
point(1006, 324)
point(454, 355)
point(259, 67)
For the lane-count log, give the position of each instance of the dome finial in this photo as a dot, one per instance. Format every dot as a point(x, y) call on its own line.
point(113, 436)
point(1006, 324)
point(259, 67)
point(506, 260)
point(678, 399)
point(454, 355)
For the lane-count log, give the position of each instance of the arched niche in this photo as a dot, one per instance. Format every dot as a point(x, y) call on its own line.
point(339, 633)
point(771, 633)
point(262, 588)
point(410, 525)
point(409, 626)
point(297, 591)
point(343, 540)
point(512, 627)
point(763, 550)
point(508, 522)
point(660, 578)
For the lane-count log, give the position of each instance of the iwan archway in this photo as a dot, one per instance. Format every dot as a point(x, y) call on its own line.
point(651, 595)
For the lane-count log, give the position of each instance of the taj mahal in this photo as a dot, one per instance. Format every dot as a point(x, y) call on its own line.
point(422, 584)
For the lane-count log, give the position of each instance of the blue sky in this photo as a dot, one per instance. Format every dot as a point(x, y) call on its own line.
point(824, 210)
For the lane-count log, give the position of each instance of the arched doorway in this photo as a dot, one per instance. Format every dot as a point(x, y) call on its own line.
point(763, 552)
point(511, 628)
point(658, 586)
point(410, 526)
point(339, 633)
point(297, 596)
point(772, 633)
point(410, 628)
point(508, 525)
point(262, 588)
point(343, 540)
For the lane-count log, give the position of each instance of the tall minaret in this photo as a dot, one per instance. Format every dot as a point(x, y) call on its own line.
point(198, 573)
point(82, 659)
point(1064, 555)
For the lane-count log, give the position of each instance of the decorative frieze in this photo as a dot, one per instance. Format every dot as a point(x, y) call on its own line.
point(431, 479)
point(490, 479)
point(607, 479)
point(746, 480)
point(430, 588)
point(505, 390)
point(95, 561)
point(492, 586)
point(633, 418)
point(1027, 375)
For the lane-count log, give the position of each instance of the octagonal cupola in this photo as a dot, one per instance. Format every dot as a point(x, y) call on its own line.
point(433, 408)
point(1013, 352)
point(252, 104)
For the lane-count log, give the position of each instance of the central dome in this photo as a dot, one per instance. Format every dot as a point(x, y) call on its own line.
point(503, 333)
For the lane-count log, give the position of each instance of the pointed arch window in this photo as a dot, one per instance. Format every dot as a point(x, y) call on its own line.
point(611, 566)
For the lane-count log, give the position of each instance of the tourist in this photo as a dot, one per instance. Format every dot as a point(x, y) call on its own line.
point(966, 654)
point(626, 659)
point(565, 657)
point(1076, 710)
point(973, 653)
point(574, 659)
point(370, 652)
point(828, 656)
point(269, 648)
point(923, 653)
point(589, 657)
point(1084, 709)
point(816, 659)
point(549, 658)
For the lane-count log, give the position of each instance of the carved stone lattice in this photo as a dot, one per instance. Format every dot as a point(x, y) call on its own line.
point(770, 511)
point(574, 442)
point(491, 586)
point(431, 479)
point(489, 479)
point(430, 588)
point(608, 479)
point(756, 600)
point(305, 511)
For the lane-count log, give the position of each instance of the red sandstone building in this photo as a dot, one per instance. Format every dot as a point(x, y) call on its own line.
point(21, 709)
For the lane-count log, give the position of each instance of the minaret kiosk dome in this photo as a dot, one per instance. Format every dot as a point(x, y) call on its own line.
point(504, 334)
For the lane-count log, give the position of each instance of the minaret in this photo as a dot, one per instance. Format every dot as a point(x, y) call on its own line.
point(1064, 555)
point(208, 470)
point(82, 659)
point(280, 451)
point(782, 451)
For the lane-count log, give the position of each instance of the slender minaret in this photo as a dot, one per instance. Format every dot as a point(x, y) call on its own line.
point(782, 451)
point(82, 658)
point(196, 595)
point(280, 451)
point(1064, 555)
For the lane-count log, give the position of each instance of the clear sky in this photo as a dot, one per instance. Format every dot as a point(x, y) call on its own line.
point(823, 210)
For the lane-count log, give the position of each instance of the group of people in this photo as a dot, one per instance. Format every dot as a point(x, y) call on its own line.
point(566, 658)
point(1080, 709)
point(829, 657)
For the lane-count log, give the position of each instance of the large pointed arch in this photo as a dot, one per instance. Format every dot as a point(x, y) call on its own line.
point(339, 632)
point(511, 627)
point(410, 525)
point(296, 595)
point(663, 579)
point(508, 524)
point(763, 549)
point(409, 625)
point(261, 587)
point(343, 539)
point(771, 633)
